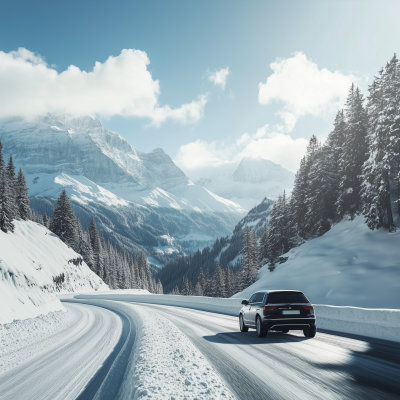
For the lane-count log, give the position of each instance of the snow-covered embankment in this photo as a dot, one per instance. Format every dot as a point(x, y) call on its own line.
point(375, 323)
point(163, 363)
point(34, 265)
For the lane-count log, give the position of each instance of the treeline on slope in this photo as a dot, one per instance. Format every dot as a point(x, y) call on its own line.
point(225, 282)
point(14, 199)
point(357, 171)
point(117, 268)
point(225, 250)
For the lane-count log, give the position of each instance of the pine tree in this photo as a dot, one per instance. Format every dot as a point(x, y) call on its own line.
point(12, 184)
point(296, 220)
point(22, 198)
point(199, 289)
point(279, 232)
point(63, 221)
point(354, 155)
point(185, 287)
point(336, 139)
point(229, 283)
point(45, 220)
point(95, 244)
point(382, 166)
point(249, 259)
point(323, 192)
point(6, 203)
point(264, 244)
point(82, 245)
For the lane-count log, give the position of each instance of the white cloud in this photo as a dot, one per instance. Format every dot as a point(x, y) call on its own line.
point(219, 77)
point(304, 89)
point(122, 85)
point(275, 146)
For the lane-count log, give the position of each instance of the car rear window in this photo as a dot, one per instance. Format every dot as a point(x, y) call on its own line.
point(286, 297)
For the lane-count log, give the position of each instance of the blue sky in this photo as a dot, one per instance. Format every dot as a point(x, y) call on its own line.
point(186, 42)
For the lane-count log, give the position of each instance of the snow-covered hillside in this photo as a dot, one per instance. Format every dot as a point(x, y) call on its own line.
point(249, 182)
point(348, 266)
point(34, 266)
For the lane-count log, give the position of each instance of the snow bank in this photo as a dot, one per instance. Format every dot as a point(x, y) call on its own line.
point(212, 304)
point(375, 323)
point(23, 334)
point(349, 266)
point(163, 363)
point(167, 365)
point(30, 259)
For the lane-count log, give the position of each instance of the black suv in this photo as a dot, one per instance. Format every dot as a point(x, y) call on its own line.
point(278, 310)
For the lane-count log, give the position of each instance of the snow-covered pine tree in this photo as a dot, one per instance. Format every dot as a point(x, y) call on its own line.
point(185, 287)
point(219, 289)
point(255, 256)
point(336, 139)
point(63, 221)
point(6, 203)
point(229, 283)
point(279, 231)
point(263, 245)
point(296, 219)
point(145, 274)
point(353, 156)
point(12, 185)
point(199, 289)
point(95, 244)
point(381, 170)
point(323, 192)
point(207, 284)
point(22, 198)
point(45, 220)
point(249, 268)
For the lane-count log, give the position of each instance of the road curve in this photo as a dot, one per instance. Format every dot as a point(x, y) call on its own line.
point(60, 365)
point(106, 382)
point(289, 366)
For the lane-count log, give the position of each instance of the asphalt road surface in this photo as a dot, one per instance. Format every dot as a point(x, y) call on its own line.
point(290, 366)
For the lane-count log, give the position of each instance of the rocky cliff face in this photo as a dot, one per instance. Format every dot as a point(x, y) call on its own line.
point(82, 146)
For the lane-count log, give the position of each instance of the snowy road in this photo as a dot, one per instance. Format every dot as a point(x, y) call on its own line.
point(289, 365)
point(60, 365)
point(88, 359)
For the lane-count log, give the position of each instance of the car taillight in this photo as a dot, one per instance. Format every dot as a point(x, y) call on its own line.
point(308, 307)
point(268, 308)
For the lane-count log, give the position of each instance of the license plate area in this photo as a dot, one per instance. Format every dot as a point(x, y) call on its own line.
point(290, 312)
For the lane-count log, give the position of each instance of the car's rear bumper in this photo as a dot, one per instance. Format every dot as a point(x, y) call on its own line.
point(289, 324)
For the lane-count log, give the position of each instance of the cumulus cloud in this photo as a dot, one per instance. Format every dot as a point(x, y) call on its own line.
point(122, 85)
point(304, 89)
point(219, 77)
point(271, 145)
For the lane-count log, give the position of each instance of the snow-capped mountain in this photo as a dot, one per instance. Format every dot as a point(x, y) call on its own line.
point(83, 147)
point(249, 182)
point(137, 197)
point(35, 265)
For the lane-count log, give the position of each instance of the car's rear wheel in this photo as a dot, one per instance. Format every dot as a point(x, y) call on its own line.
point(261, 331)
point(242, 326)
point(310, 332)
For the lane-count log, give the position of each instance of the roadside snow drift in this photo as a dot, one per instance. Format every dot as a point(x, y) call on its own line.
point(32, 259)
point(349, 266)
point(376, 323)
